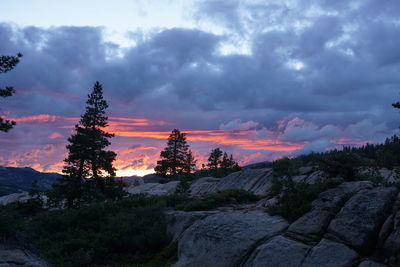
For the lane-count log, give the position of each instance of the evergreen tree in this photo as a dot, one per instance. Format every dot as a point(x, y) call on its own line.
point(174, 156)
point(89, 171)
point(214, 160)
point(220, 164)
point(190, 163)
point(7, 63)
point(225, 163)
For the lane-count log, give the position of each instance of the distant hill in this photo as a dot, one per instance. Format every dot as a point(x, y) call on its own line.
point(13, 180)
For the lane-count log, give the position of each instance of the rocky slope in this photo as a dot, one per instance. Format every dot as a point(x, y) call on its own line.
point(355, 224)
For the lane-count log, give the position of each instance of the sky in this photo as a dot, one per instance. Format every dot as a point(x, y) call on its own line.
point(258, 79)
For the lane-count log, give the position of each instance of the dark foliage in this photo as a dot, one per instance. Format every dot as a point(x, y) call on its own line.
point(129, 231)
point(176, 158)
point(88, 171)
point(295, 199)
point(7, 63)
point(225, 197)
point(219, 165)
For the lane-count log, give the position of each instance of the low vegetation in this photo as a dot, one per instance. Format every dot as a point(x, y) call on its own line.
point(221, 198)
point(120, 233)
point(296, 198)
point(127, 232)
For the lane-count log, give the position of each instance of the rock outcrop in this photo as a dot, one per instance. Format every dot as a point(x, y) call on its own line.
point(16, 197)
point(153, 188)
point(257, 181)
point(354, 224)
point(226, 238)
point(19, 257)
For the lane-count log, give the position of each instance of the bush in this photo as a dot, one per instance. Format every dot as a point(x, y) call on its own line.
point(296, 198)
point(132, 230)
point(284, 167)
point(219, 199)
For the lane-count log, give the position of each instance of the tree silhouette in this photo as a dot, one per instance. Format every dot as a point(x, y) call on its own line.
point(190, 163)
point(7, 63)
point(214, 160)
point(175, 156)
point(220, 164)
point(88, 164)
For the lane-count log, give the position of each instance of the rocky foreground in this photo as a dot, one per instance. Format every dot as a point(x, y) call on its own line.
point(354, 224)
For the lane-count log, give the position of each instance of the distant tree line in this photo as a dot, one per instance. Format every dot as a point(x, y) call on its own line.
point(177, 160)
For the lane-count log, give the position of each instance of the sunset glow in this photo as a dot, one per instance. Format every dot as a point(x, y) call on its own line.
point(138, 147)
point(258, 79)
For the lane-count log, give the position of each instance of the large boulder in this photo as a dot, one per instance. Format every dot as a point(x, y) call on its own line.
point(330, 254)
point(179, 221)
point(391, 248)
point(226, 238)
point(18, 257)
point(279, 251)
point(16, 197)
point(359, 221)
point(153, 188)
point(311, 226)
point(369, 263)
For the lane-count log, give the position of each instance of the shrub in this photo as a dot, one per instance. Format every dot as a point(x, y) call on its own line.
point(132, 230)
point(219, 199)
point(284, 167)
point(296, 198)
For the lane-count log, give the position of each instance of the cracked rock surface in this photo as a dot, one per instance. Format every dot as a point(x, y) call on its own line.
point(354, 224)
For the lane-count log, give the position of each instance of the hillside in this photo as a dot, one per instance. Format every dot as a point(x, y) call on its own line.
point(14, 180)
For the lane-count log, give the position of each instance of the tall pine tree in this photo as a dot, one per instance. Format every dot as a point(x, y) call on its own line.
point(7, 63)
point(88, 163)
point(174, 157)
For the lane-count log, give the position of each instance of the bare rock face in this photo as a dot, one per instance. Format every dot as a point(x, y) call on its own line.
point(354, 224)
point(179, 221)
point(226, 238)
point(15, 197)
point(204, 186)
point(359, 221)
point(391, 248)
point(17, 257)
point(258, 181)
point(330, 254)
point(369, 263)
point(153, 188)
point(310, 227)
point(279, 251)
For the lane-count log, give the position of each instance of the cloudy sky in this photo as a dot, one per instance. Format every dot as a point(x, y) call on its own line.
point(259, 79)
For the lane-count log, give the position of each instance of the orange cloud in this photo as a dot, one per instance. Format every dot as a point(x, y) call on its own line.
point(127, 151)
point(56, 135)
point(37, 118)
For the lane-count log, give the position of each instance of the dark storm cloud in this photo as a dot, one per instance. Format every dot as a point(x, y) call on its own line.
point(313, 72)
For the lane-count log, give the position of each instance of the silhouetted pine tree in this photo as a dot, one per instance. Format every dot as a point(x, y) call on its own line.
point(214, 160)
point(89, 171)
point(7, 63)
point(190, 163)
point(220, 164)
point(174, 156)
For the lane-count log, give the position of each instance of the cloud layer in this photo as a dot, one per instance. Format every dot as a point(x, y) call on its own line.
point(281, 78)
